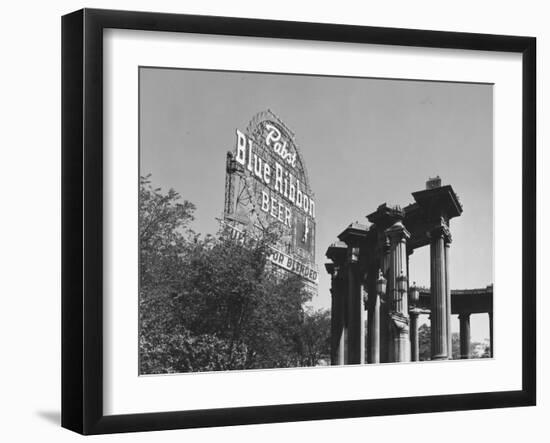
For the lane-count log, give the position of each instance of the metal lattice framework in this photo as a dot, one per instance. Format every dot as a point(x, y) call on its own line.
point(243, 192)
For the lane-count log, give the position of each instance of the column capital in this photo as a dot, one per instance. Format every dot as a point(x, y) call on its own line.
point(354, 234)
point(464, 315)
point(386, 215)
point(397, 232)
point(337, 253)
point(400, 321)
point(441, 231)
point(416, 312)
point(336, 271)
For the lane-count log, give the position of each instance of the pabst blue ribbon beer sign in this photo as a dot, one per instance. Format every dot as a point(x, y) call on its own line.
point(267, 183)
point(276, 177)
point(273, 139)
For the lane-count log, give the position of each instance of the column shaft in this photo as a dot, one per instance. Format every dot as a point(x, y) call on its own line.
point(338, 319)
point(400, 343)
point(448, 296)
point(492, 354)
point(384, 311)
point(439, 298)
point(414, 335)
point(373, 323)
point(397, 268)
point(362, 330)
point(355, 308)
point(384, 333)
point(374, 339)
point(343, 314)
point(464, 335)
point(334, 325)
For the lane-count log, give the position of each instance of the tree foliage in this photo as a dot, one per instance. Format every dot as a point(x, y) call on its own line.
point(212, 303)
point(424, 342)
point(163, 234)
point(455, 340)
point(315, 338)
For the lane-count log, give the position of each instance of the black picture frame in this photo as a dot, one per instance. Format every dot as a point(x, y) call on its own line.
point(82, 215)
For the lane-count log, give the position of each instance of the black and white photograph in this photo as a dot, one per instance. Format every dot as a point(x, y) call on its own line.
point(293, 221)
point(266, 222)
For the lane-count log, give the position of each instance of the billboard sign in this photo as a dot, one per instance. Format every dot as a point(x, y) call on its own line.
point(267, 185)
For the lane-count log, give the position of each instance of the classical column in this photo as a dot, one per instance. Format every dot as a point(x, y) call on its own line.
point(337, 252)
point(373, 323)
point(414, 312)
point(447, 240)
point(438, 291)
point(353, 236)
point(334, 327)
point(384, 307)
point(492, 354)
point(342, 284)
point(464, 335)
point(413, 326)
point(337, 317)
point(374, 336)
point(397, 292)
point(355, 308)
point(362, 334)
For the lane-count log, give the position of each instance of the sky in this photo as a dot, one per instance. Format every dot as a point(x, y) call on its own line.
point(364, 142)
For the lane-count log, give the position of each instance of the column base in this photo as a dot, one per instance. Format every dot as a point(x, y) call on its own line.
point(440, 357)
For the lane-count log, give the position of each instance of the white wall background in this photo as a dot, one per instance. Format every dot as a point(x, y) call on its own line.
point(30, 218)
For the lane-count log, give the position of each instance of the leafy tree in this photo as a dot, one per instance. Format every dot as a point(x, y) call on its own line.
point(315, 338)
point(456, 345)
point(424, 342)
point(424, 338)
point(212, 303)
point(480, 350)
point(230, 291)
point(163, 234)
